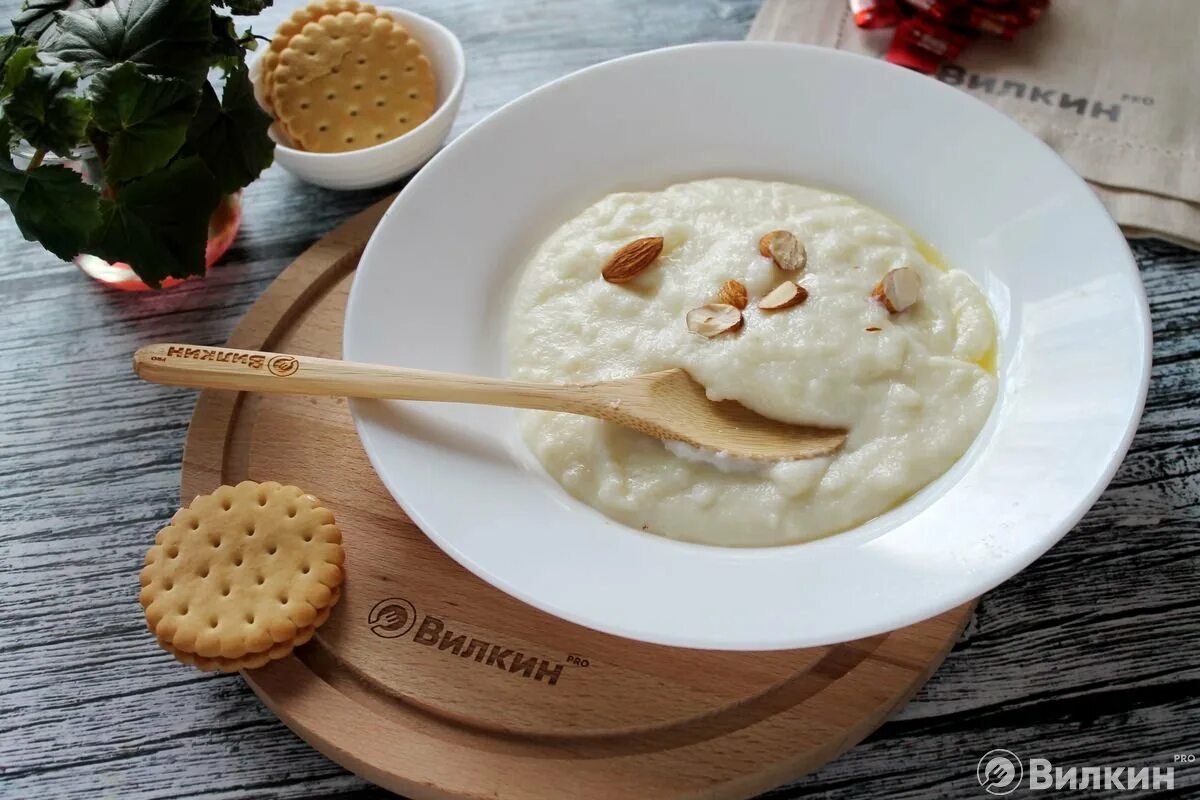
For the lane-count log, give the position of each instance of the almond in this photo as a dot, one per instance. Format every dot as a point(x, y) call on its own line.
point(733, 293)
point(714, 319)
point(784, 249)
point(784, 295)
point(899, 289)
point(628, 262)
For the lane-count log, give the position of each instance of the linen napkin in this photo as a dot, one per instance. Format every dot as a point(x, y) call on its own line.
point(1112, 85)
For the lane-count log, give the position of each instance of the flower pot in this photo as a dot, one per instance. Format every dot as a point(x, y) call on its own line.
point(222, 225)
point(222, 228)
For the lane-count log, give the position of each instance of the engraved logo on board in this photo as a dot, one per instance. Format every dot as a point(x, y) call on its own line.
point(392, 618)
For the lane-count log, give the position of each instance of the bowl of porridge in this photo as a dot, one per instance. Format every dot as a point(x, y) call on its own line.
point(787, 229)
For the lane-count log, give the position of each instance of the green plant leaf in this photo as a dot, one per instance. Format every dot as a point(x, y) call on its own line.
point(16, 64)
point(36, 16)
point(51, 205)
point(225, 38)
point(229, 49)
point(230, 134)
point(248, 8)
point(159, 224)
point(244, 8)
point(42, 107)
point(9, 45)
point(163, 37)
point(146, 118)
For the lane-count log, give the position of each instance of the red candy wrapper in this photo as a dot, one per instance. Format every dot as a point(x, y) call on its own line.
point(940, 41)
point(875, 13)
point(1000, 23)
point(934, 8)
point(914, 58)
point(931, 32)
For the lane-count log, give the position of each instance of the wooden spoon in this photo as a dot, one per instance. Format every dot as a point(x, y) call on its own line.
point(666, 405)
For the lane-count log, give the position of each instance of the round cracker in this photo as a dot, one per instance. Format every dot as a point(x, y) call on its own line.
point(293, 25)
point(254, 660)
point(305, 59)
point(320, 47)
point(241, 569)
point(383, 88)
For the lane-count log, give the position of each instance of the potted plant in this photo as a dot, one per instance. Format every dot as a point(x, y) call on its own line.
point(126, 92)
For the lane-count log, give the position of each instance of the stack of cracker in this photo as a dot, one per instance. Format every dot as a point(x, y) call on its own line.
point(340, 75)
point(241, 576)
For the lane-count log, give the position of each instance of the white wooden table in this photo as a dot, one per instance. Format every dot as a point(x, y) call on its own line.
point(1089, 657)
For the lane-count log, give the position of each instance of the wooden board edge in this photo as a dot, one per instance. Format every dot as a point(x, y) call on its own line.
point(301, 282)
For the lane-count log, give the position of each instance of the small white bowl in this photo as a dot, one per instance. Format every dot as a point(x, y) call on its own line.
point(384, 163)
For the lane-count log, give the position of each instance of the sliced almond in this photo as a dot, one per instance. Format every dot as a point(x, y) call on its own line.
point(899, 289)
point(784, 295)
point(733, 293)
point(628, 262)
point(714, 319)
point(784, 249)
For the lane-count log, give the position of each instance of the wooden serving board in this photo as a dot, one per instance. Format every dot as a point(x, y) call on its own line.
point(430, 682)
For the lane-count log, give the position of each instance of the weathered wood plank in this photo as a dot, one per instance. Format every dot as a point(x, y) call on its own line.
point(1091, 656)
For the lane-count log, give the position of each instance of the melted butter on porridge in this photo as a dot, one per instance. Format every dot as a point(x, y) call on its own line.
point(912, 388)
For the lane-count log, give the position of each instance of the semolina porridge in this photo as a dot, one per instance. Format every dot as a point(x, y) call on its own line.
point(868, 334)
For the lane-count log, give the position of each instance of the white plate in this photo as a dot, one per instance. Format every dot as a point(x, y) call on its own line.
point(1074, 337)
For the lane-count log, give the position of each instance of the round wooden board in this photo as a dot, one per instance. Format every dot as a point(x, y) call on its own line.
point(433, 684)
